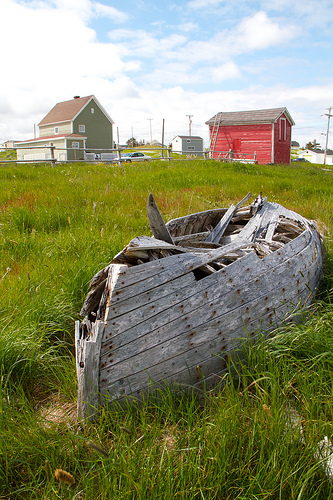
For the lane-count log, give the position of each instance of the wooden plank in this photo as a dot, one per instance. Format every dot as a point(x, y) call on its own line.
point(194, 223)
point(88, 370)
point(272, 224)
point(212, 364)
point(214, 333)
point(220, 228)
point(174, 322)
point(156, 222)
point(217, 233)
point(183, 240)
point(269, 211)
point(173, 358)
point(239, 277)
point(131, 286)
point(259, 222)
point(176, 287)
point(257, 204)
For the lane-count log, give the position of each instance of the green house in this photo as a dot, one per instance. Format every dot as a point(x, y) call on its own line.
point(72, 130)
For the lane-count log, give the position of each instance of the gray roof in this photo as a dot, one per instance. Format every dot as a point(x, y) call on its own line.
point(248, 117)
point(189, 137)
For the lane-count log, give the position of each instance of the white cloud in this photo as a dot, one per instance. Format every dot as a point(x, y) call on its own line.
point(188, 27)
point(259, 32)
point(143, 44)
point(202, 4)
point(107, 11)
point(225, 71)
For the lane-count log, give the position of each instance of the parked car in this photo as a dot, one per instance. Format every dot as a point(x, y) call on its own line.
point(300, 159)
point(136, 156)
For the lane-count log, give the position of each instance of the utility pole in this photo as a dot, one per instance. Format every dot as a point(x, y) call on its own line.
point(162, 138)
point(329, 116)
point(151, 133)
point(190, 125)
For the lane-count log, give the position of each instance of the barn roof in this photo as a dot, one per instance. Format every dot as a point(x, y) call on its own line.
point(250, 117)
point(68, 110)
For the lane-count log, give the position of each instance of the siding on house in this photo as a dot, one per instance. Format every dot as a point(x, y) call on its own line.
point(264, 134)
point(63, 128)
point(245, 142)
point(24, 151)
point(75, 153)
point(98, 128)
point(188, 144)
point(39, 152)
point(282, 141)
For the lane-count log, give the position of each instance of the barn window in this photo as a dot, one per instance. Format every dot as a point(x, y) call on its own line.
point(188, 140)
point(190, 147)
point(283, 129)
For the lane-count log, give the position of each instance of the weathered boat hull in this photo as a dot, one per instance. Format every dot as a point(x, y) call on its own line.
point(165, 320)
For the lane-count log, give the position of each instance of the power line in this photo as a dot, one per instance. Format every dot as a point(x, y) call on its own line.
point(151, 133)
point(329, 116)
point(190, 125)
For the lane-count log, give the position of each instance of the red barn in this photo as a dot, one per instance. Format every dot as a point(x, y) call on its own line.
point(264, 135)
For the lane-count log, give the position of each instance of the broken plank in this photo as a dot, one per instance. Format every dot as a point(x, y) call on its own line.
point(156, 222)
point(220, 228)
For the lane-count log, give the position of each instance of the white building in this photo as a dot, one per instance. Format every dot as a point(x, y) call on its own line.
point(187, 144)
point(317, 156)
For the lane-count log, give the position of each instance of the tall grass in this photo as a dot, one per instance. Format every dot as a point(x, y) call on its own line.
point(61, 224)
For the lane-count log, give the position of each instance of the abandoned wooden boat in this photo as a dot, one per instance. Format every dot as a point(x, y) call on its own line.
point(170, 308)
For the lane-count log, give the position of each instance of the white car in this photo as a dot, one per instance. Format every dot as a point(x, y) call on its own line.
point(136, 156)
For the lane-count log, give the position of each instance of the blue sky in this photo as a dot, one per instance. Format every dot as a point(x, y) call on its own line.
point(148, 61)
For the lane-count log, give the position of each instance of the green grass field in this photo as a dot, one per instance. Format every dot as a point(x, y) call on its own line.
point(59, 226)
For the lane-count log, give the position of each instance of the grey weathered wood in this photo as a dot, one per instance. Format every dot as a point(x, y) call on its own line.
point(126, 286)
point(196, 312)
point(180, 240)
point(240, 290)
point(272, 224)
point(220, 228)
point(163, 320)
point(173, 357)
point(156, 222)
point(93, 298)
point(88, 370)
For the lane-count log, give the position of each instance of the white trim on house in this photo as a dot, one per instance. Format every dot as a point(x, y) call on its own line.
point(100, 107)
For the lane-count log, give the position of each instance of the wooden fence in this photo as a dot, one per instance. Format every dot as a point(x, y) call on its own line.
point(117, 155)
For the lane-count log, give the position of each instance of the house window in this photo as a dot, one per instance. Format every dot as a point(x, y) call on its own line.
point(283, 129)
point(82, 128)
point(56, 130)
point(190, 147)
point(188, 140)
point(92, 110)
point(75, 144)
